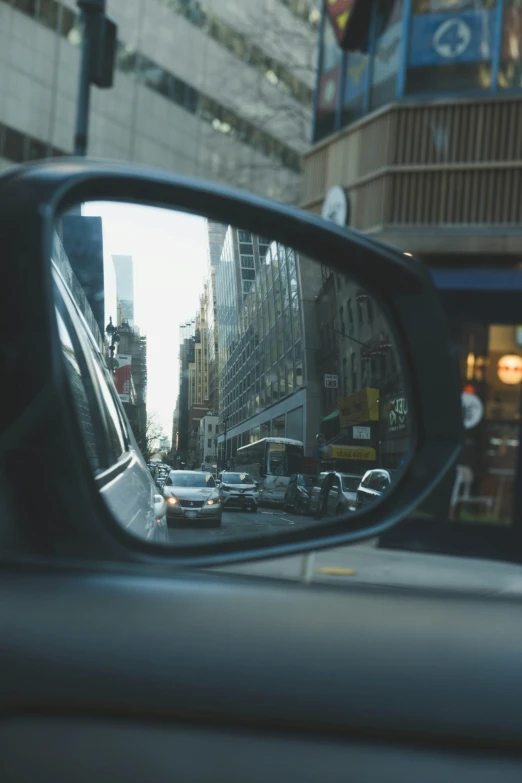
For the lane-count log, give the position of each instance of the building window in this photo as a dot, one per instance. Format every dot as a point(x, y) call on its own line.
point(25, 6)
point(209, 443)
point(210, 427)
point(350, 314)
point(328, 84)
point(360, 312)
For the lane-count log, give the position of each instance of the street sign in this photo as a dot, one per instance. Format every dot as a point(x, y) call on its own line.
point(362, 433)
point(353, 452)
point(331, 381)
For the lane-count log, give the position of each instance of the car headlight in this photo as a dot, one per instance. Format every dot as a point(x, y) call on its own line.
point(213, 500)
point(172, 501)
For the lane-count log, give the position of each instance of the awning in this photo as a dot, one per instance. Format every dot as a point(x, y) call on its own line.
point(480, 295)
point(331, 416)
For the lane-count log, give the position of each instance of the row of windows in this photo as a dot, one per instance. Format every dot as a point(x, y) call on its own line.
point(242, 48)
point(260, 338)
point(362, 306)
point(19, 147)
point(146, 71)
point(222, 119)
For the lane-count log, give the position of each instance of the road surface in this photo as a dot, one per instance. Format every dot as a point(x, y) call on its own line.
point(238, 523)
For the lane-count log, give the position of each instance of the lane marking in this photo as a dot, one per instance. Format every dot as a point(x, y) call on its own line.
point(332, 571)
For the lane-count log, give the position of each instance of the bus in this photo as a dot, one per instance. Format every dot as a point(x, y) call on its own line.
point(271, 462)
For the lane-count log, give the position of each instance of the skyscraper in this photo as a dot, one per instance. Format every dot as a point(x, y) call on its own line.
point(125, 286)
point(262, 326)
point(216, 238)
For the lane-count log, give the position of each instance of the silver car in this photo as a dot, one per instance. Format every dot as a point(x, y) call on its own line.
point(192, 497)
point(239, 490)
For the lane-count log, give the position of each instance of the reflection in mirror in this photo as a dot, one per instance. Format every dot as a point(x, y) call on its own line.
point(261, 390)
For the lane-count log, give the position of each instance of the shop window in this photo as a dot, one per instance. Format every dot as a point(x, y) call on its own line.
point(328, 85)
point(510, 70)
point(355, 80)
point(385, 66)
point(450, 48)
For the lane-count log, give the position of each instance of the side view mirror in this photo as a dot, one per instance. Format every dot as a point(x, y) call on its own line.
point(160, 506)
point(404, 391)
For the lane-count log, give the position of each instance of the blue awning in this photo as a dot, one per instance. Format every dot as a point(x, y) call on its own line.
point(477, 279)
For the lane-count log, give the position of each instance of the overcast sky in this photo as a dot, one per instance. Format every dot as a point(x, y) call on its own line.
point(170, 258)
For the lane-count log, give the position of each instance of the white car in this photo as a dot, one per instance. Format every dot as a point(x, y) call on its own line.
point(239, 490)
point(192, 497)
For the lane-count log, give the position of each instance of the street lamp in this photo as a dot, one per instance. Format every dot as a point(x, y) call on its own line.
point(225, 421)
point(114, 337)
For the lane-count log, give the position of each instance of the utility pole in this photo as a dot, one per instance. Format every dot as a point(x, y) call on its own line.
point(225, 420)
point(96, 65)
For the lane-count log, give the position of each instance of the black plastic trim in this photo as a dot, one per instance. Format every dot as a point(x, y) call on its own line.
point(37, 193)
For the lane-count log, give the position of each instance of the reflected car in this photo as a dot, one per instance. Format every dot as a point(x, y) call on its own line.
point(341, 493)
point(298, 493)
point(374, 483)
point(317, 496)
point(239, 490)
point(192, 498)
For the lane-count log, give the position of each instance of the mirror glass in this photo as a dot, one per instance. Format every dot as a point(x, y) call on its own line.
point(255, 389)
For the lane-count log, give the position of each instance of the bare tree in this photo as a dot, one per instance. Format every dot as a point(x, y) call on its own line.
point(150, 440)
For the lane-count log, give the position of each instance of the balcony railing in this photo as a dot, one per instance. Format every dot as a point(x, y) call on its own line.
point(454, 164)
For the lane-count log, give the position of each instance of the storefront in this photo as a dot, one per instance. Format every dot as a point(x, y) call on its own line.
point(355, 449)
point(395, 431)
point(477, 508)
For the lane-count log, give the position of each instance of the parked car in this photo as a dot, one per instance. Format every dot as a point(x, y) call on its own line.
point(239, 490)
point(372, 486)
point(317, 495)
point(341, 493)
point(298, 492)
point(192, 497)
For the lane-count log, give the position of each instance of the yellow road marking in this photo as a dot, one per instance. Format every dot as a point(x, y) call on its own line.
point(337, 571)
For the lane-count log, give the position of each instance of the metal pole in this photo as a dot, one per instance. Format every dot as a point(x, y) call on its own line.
point(84, 89)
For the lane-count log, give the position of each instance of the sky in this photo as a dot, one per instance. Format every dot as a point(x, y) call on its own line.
point(170, 258)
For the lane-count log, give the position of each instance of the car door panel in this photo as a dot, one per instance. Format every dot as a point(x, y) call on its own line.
point(134, 751)
point(150, 644)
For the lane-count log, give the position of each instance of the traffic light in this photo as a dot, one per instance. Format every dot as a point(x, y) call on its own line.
point(104, 39)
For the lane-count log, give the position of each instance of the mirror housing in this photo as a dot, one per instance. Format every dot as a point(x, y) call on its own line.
point(160, 506)
point(48, 431)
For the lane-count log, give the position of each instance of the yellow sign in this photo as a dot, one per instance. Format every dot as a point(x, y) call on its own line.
point(352, 452)
point(359, 407)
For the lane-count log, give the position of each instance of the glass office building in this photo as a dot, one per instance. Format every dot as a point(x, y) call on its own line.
point(261, 339)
